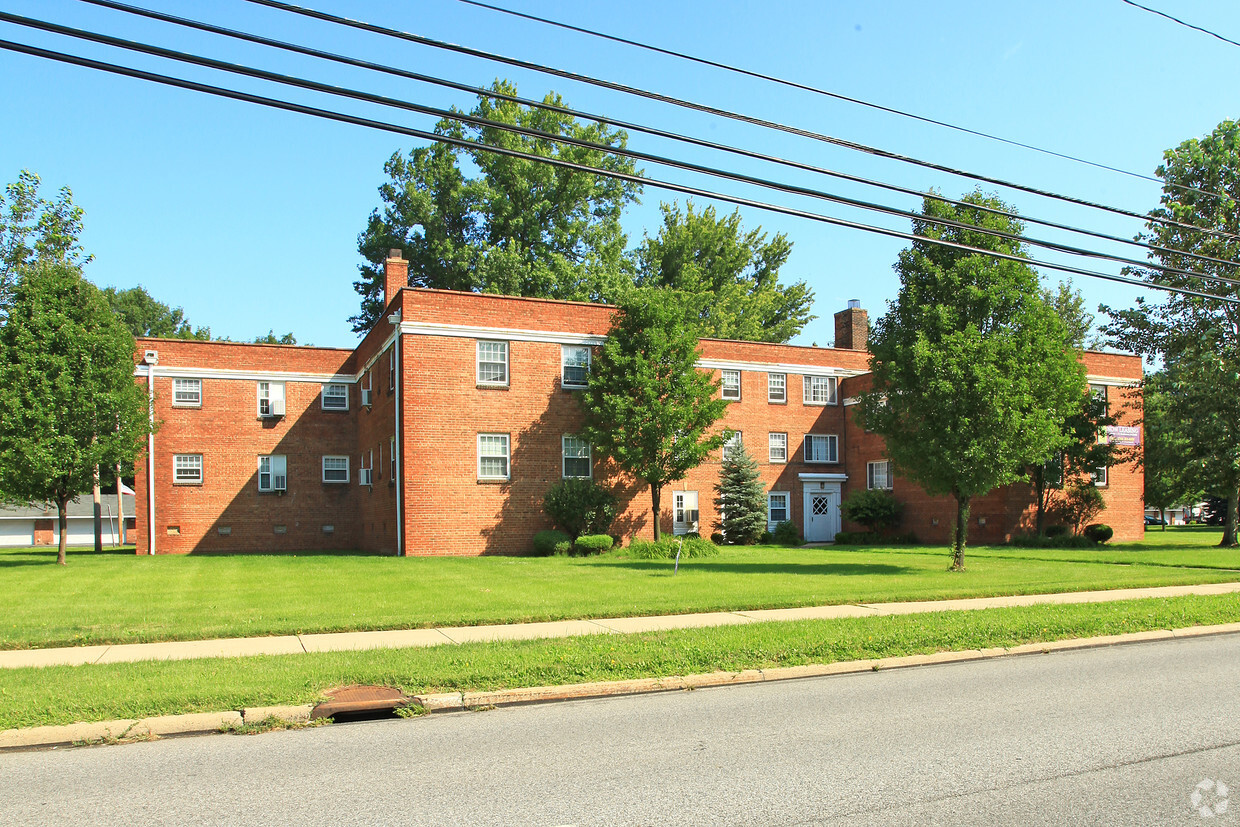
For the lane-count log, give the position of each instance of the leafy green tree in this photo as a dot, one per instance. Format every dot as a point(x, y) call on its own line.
point(1082, 453)
point(1171, 477)
point(1078, 322)
point(146, 316)
point(520, 227)
point(68, 400)
point(742, 496)
point(647, 407)
point(272, 339)
point(580, 506)
point(972, 374)
point(33, 229)
point(1199, 338)
point(729, 278)
point(875, 508)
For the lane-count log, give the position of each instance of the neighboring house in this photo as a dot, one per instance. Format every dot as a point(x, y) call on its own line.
point(38, 525)
point(443, 429)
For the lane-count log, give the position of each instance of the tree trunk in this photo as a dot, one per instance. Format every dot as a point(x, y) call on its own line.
point(1229, 526)
point(98, 513)
point(1162, 515)
point(962, 531)
point(655, 497)
point(62, 513)
point(1039, 487)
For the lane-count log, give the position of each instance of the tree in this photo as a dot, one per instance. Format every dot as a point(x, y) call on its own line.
point(68, 400)
point(729, 277)
point(1078, 322)
point(1083, 452)
point(145, 316)
point(1198, 338)
point(972, 374)
point(34, 229)
point(521, 227)
point(272, 339)
point(742, 496)
point(875, 508)
point(647, 407)
point(1171, 477)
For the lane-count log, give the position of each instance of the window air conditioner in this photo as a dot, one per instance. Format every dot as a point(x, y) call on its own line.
point(366, 397)
point(279, 482)
point(364, 476)
point(691, 516)
point(277, 407)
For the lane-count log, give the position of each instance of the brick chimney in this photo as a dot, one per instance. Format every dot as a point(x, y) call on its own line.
point(395, 276)
point(852, 327)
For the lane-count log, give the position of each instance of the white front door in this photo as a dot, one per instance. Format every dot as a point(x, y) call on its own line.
point(684, 512)
point(822, 513)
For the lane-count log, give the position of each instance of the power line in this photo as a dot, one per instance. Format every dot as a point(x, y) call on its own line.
point(558, 162)
point(805, 87)
point(710, 110)
point(1172, 18)
point(480, 122)
point(635, 127)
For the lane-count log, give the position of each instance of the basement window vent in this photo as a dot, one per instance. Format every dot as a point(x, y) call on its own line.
point(174, 531)
point(280, 529)
point(224, 530)
point(329, 529)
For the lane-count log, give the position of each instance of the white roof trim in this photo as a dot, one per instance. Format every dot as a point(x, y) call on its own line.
point(821, 477)
point(778, 367)
point(510, 334)
point(1112, 381)
point(251, 375)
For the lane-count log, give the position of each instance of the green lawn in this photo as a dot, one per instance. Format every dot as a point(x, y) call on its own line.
point(63, 694)
point(122, 598)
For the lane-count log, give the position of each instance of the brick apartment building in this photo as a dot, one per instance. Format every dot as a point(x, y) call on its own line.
point(443, 429)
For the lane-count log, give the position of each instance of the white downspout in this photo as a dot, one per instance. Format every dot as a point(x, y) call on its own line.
point(150, 455)
point(396, 453)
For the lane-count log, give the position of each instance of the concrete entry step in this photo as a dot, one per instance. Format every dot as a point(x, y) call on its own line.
point(359, 700)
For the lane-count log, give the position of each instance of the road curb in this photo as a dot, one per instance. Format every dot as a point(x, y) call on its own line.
point(201, 723)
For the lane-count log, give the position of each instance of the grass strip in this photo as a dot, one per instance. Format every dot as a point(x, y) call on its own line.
point(65, 694)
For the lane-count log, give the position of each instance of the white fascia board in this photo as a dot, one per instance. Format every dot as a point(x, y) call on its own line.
point(1112, 381)
point(808, 476)
point(507, 333)
point(253, 375)
point(778, 367)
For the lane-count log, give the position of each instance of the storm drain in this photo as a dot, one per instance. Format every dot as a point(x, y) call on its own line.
point(360, 703)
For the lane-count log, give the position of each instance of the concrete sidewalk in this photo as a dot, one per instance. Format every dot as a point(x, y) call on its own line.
point(349, 641)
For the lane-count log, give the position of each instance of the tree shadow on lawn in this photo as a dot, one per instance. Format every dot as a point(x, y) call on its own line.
point(831, 569)
point(302, 553)
point(43, 555)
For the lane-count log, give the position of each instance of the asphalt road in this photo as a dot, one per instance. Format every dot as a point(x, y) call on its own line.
point(1122, 735)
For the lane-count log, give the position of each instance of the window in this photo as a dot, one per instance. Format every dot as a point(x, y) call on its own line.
point(365, 472)
point(187, 393)
point(492, 456)
point(271, 399)
point(273, 473)
point(335, 469)
point(821, 448)
point(366, 390)
point(492, 363)
point(392, 458)
point(576, 459)
point(732, 445)
point(777, 445)
point(878, 475)
point(1099, 476)
point(732, 385)
point(392, 368)
point(1099, 393)
point(574, 366)
point(187, 469)
point(776, 387)
point(776, 509)
point(819, 390)
point(335, 397)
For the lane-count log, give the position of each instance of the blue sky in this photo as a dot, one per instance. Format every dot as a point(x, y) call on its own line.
point(248, 217)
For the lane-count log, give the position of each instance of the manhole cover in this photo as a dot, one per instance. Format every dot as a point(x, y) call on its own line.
point(353, 700)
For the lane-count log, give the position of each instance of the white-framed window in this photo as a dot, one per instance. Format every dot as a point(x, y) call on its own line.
point(576, 457)
point(777, 509)
point(492, 456)
point(1099, 476)
point(335, 469)
point(777, 446)
point(392, 368)
point(492, 363)
point(819, 390)
point(187, 469)
point(271, 399)
point(733, 445)
point(684, 512)
point(335, 396)
point(821, 448)
point(1099, 393)
point(777, 387)
point(366, 470)
point(878, 474)
point(187, 393)
point(273, 473)
point(392, 456)
point(366, 389)
point(574, 366)
point(732, 385)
